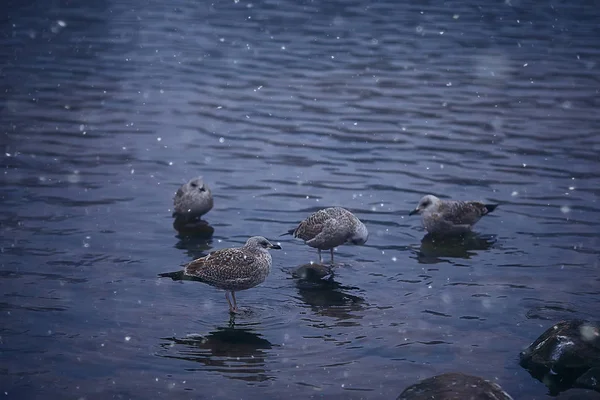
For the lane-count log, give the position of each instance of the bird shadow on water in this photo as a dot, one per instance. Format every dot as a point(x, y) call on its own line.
point(325, 296)
point(434, 249)
point(235, 351)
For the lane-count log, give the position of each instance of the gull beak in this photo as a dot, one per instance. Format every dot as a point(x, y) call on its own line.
point(275, 246)
point(413, 212)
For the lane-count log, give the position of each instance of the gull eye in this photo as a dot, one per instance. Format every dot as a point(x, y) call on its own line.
point(193, 184)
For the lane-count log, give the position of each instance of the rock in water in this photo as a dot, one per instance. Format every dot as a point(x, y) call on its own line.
point(312, 272)
point(454, 386)
point(566, 355)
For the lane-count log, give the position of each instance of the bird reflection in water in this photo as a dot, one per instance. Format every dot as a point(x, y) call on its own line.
point(195, 246)
point(318, 289)
point(235, 352)
point(434, 248)
point(193, 227)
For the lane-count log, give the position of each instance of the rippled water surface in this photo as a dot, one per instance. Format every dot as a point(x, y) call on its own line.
point(285, 107)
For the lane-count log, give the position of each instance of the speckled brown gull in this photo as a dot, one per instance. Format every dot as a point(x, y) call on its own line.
point(192, 200)
point(330, 228)
point(235, 269)
point(447, 217)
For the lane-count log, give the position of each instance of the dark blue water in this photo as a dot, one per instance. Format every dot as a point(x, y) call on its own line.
point(285, 107)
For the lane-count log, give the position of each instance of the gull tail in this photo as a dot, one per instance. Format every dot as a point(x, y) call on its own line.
point(176, 275)
point(490, 207)
point(290, 232)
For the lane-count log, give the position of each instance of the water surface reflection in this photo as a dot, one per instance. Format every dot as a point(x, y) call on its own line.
point(328, 298)
point(434, 249)
point(237, 352)
point(193, 245)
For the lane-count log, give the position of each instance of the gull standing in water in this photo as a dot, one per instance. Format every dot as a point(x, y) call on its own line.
point(447, 217)
point(192, 200)
point(330, 228)
point(235, 269)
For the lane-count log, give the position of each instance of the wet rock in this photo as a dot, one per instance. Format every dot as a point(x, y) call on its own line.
point(567, 355)
point(578, 394)
point(312, 272)
point(590, 379)
point(454, 386)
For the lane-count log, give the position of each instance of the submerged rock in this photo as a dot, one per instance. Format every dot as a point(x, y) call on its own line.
point(454, 386)
point(567, 355)
point(312, 272)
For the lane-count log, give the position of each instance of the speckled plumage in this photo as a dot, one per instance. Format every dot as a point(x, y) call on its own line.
point(329, 228)
point(192, 199)
point(447, 217)
point(235, 269)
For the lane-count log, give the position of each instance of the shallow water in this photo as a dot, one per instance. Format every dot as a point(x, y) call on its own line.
point(286, 107)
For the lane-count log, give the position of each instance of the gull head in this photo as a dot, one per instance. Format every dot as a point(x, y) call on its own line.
point(360, 235)
point(197, 185)
point(426, 204)
point(259, 242)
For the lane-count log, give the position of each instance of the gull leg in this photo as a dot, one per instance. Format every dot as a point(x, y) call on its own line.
point(320, 258)
point(331, 250)
point(231, 320)
point(231, 308)
point(234, 302)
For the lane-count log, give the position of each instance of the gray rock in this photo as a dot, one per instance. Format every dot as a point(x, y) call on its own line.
point(566, 355)
point(454, 386)
point(312, 272)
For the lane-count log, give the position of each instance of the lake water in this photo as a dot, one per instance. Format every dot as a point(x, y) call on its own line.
point(286, 107)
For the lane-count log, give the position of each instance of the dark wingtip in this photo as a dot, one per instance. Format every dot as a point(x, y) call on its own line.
point(490, 207)
point(290, 232)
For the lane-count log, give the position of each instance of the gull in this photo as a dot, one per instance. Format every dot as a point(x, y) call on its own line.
point(234, 269)
point(192, 200)
point(447, 217)
point(329, 228)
